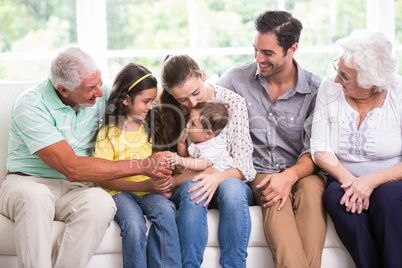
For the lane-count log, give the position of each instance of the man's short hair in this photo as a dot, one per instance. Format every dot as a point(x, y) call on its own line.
point(70, 67)
point(286, 28)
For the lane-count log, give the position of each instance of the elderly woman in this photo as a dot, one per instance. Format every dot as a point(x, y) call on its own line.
point(357, 140)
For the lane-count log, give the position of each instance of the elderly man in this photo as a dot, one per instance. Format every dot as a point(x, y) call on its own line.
point(52, 131)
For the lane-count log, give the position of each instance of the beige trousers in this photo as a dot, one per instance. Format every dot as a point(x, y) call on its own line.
point(33, 203)
point(296, 233)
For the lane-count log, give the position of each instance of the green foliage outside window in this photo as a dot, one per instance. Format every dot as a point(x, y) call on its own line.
point(39, 26)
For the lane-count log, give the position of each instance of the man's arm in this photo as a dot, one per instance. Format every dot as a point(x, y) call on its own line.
point(303, 168)
point(62, 158)
point(280, 184)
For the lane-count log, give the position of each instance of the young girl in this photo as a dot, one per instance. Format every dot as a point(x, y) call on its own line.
point(125, 136)
point(183, 87)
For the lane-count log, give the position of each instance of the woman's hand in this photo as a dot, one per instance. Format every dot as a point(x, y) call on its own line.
point(207, 185)
point(357, 194)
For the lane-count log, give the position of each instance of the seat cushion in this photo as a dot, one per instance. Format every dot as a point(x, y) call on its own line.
point(111, 242)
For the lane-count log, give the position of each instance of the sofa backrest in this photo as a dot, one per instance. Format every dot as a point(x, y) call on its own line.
point(9, 92)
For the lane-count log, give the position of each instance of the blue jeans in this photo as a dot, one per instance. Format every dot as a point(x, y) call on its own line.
point(163, 248)
point(232, 198)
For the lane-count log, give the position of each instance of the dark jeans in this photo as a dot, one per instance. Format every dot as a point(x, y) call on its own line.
point(374, 237)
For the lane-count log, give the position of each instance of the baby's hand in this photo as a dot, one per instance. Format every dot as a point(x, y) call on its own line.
point(172, 159)
point(183, 136)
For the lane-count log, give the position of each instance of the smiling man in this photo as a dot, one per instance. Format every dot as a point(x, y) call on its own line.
point(52, 133)
point(280, 97)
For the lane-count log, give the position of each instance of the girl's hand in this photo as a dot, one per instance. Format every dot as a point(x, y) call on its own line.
point(207, 185)
point(357, 194)
point(160, 186)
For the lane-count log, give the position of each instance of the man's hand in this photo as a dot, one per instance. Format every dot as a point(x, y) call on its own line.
point(278, 189)
point(156, 166)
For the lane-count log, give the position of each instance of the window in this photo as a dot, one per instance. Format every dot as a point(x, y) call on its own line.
point(218, 33)
point(30, 33)
point(398, 33)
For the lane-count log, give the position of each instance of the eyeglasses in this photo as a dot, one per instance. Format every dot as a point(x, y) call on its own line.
point(343, 79)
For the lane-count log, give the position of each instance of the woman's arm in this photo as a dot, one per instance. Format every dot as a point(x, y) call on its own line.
point(393, 173)
point(181, 178)
point(240, 144)
point(322, 135)
point(330, 163)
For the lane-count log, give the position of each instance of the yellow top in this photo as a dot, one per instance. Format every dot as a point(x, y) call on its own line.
point(124, 145)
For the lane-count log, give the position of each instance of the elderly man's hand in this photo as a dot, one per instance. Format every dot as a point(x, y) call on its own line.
point(156, 166)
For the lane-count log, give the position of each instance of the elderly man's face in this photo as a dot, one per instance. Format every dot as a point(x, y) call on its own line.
point(86, 94)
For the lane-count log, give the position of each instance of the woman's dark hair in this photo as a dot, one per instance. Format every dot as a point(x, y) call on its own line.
point(170, 118)
point(115, 109)
point(286, 28)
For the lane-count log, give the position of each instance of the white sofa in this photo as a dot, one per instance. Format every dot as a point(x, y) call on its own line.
point(108, 254)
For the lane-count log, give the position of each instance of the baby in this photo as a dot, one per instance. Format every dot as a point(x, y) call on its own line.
point(207, 139)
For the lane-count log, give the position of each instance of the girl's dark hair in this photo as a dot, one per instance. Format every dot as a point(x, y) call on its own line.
point(170, 117)
point(286, 28)
point(115, 109)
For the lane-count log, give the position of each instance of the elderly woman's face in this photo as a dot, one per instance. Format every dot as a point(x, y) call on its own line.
point(191, 92)
point(345, 75)
point(347, 78)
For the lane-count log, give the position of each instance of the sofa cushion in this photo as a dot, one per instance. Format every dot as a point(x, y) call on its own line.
point(7, 234)
point(8, 94)
point(111, 243)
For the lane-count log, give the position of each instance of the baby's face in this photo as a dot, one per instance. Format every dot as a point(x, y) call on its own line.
point(196, 132)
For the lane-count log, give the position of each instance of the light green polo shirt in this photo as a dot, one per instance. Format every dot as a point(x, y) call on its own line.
point(39, 119)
